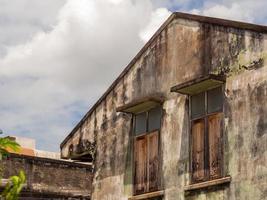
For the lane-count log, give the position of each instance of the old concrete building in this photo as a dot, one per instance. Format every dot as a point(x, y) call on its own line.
point(186, 119)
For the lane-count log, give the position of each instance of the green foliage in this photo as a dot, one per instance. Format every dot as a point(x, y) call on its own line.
point(14, 186)
point(15, 183)
point(6, 143)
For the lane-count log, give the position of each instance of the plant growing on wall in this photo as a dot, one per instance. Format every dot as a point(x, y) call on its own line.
point(5, 144)
point(14, 186)
point(15, 183)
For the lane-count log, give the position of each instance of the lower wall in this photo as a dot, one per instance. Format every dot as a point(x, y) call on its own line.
point(50, 178)
point(113, 187)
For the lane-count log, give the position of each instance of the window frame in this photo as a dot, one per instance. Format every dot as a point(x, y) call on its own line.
point(205, 117)
point(146, 135)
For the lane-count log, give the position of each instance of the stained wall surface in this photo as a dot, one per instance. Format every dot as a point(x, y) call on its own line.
point(186, 50)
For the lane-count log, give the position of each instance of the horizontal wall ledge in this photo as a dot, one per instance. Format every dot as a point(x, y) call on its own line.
point(207, 184)
point(3, 182)
point(86, 156)
point(141, 105)
point(55, 162)
point(199, 84)
point(147, 195)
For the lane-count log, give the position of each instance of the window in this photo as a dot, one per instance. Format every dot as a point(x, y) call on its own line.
point(146, 151)
point(206, 127)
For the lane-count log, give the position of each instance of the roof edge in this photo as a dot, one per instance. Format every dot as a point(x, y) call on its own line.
point(126, 69)
point(199, 18)
point(222, 22)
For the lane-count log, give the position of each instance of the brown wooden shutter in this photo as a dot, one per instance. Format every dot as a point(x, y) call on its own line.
point(198, 132)
point(140, 155)
point(214, 127)
point(153, 161)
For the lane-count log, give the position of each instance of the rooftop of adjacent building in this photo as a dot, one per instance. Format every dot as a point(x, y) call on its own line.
point(28, 148)
point(29, 151)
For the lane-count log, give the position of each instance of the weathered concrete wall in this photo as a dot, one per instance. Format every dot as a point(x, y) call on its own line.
point(185, 50)
point(50, 178)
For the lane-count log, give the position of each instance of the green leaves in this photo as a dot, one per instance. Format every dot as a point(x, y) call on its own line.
point(5, 144)
point(8, 143)
point(14, 186)
point(15, 183)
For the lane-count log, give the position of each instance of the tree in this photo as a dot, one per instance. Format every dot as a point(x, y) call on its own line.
point(15, 183)
point(6, 144)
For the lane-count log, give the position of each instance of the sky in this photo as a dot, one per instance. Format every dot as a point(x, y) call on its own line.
point(58, 56)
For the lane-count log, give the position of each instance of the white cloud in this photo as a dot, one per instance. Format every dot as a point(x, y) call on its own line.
point(157, 17)
point(21, 19)
point(48, 82)
point(172, 3)
point(116, 1)
point(244, 10)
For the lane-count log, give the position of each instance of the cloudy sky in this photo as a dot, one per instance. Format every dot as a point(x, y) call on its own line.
point(58, 56)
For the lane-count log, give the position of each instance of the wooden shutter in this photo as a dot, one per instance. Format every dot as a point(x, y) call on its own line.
point(214, 128)
point(153, 161)
point(140, 156)
point(198, 132)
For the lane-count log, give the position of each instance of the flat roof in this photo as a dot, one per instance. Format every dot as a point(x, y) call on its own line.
point(222, 22)
point(199, 18)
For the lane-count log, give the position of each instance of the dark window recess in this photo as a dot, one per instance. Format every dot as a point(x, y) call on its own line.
point(154, 118)
point(198, 105)
point(140, 123)
point(146, 151)
point(206, 144)
point(215, 100)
